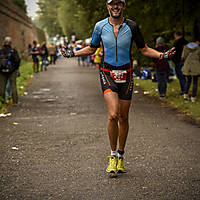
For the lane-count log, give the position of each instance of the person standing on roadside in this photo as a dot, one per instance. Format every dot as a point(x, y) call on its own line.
point(97, 58)
point(117, 34)
point(162, 68)
point(44, 55)
point(179, 43)
point(191, 67)
point(9, 65)
point(52, 52)
point(35, 56)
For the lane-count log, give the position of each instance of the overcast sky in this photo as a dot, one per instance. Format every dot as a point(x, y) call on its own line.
point(32, 7)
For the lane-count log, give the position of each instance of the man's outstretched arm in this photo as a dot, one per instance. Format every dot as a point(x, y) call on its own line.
point(147, 51)
point(83, 52)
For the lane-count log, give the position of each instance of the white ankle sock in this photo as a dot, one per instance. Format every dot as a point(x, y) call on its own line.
point(119, 155)
point(113, 153)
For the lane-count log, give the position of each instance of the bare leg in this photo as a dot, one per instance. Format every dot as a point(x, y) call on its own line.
point(112, 102)
point(124, 106)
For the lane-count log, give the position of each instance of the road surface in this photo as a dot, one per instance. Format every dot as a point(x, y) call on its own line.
point(54, 146)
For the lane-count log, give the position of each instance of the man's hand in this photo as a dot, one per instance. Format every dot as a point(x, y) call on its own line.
point(168, 54)
point(68, 53)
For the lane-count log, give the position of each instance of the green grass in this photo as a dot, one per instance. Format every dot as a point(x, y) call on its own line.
point(187, 107)
point(26, 73)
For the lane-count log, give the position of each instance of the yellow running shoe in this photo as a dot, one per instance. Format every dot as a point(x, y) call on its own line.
point(120, 166)
point(112, 167)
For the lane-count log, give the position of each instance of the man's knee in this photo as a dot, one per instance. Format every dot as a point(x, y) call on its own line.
point(113, 116)
point(123, 117)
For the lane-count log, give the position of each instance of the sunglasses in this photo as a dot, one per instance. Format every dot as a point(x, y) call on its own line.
point(116, 4)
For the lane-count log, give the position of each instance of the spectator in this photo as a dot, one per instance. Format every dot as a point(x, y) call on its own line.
point(162, 68)
point(92, 57)
point(58, 53)
point(136, 68)
point(83, 58)
point(179, 44)
point(191, 68)
point(97, 59)
point(9, 65)
point(44, 55)
point(88, 58)
point(78, 47)
point(52, 53)
point(8, 91)
point(35, 54)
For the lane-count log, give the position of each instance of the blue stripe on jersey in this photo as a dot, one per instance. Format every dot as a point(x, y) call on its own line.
point(117, 49)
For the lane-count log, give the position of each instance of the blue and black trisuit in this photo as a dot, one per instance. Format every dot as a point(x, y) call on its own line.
point(117, 54)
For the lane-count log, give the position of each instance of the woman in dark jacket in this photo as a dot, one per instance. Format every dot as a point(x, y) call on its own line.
point(161, 68)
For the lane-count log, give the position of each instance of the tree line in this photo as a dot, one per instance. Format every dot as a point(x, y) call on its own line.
point(155, 17)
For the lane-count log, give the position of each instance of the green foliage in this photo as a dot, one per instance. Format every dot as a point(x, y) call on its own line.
point(48, 16)
point(21, 4)
point(67, 16)
point(26, 72)
point(41, 35)
point(75, 18)
point(155, 17)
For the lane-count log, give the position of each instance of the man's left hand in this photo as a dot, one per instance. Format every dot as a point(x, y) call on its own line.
point(168, 54)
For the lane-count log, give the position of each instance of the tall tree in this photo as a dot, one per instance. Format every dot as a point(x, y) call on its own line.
point(48, 16)
point(155, 17)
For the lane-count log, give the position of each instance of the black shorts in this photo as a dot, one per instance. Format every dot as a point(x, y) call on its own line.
point(35, 59)
point(124, 90)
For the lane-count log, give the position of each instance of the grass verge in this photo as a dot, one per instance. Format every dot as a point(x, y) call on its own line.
point(186, 107)
point(26, 73)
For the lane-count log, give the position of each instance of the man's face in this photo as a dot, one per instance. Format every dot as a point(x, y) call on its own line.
point(7, 43)
point(115, 8)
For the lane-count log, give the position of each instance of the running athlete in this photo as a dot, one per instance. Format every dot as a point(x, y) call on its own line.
point(117, 35)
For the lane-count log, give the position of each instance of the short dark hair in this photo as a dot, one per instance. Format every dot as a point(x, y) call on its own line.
point(179, 33)
point(34, 42)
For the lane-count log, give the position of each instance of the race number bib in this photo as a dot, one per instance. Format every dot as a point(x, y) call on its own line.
point(118, 76)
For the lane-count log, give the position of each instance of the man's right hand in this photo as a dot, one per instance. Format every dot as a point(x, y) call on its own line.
point(68, 53)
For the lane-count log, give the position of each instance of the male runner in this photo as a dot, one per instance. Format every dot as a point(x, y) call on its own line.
point(117, 35)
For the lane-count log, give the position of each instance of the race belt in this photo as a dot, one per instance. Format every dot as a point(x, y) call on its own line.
point(119, 76)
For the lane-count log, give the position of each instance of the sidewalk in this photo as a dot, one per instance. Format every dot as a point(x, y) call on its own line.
point(54, 146)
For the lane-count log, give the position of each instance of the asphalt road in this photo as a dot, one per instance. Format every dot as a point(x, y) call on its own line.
point(54, 146)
